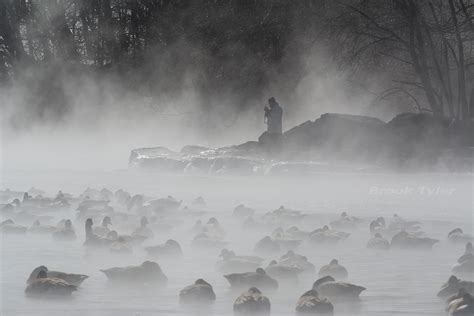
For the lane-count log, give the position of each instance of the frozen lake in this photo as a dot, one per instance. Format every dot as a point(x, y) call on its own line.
point(398, 282)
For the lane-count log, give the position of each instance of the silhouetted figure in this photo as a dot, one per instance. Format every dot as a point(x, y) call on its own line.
point(273, 116)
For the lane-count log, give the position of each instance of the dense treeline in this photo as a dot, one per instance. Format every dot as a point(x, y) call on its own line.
point(237, 47)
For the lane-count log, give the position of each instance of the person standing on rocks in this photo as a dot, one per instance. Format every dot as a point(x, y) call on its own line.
point(273, 117)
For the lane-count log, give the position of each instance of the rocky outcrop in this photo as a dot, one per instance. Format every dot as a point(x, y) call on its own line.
point(333, 142)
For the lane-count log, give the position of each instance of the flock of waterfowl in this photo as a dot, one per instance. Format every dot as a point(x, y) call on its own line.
point(119, 223)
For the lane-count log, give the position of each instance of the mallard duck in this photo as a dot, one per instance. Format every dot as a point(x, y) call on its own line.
point(377, 224)
point(120, 246)
point(103, 230)
point(258, 278)
point(468, 253)
point(148, 272)
point(37, 228)
point(229, 254)
point(345, 222)
point(457, 235)
point(409, 241)
point(378, 242)
point(206, 240)
point(252, 302)
point(65, 233)
point(44, 286)
point(143, 230)
point(93, 240)
point(333, 269)
point(327, 236)
point(170, 248)
point(291, 259)
point(460, 304)
point(311, 303)
point(329, 287)
point(279, 271)
point(198, 202)
point(9, 227)
point(243, 211)
point(231, 263)
point(71, 278)
point(199, 292)
point(453, 285)
point(267, 245)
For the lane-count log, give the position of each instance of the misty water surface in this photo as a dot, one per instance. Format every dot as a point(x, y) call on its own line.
point(397, 282)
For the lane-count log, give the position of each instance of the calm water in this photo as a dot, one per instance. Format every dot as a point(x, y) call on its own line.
point(397, 282)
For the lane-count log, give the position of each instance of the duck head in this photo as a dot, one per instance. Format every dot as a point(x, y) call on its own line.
point(88, 226)
point(260, 271)
point(334, 262)
point(172, 242)
point(468, 247)
point(68, 224)
point(35, 273)
point(106, 221)
point(151, 267)
point(42, 275)
point(322, 280)
point(143, 221)
point(113, 235)
point(254, 290)
point(202, 282)
point(452, 286)
point(311, 293)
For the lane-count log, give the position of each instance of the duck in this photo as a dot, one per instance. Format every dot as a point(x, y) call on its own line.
point(148, 272)
point(330, 288)
point(468, 253)
point(311, 303)
point(267, 245)
point(231, 263)
point(198, 292)
point(65, 233)
point(163, 205)
point(170, 248)
point(453, 285)
point(333, 269)
point(93, 240)
point(243, 211)
point(378, 242)
point(345, 222)
point(377, 224)
point(460, 304)
point(406, 240)
point(252, 302)
point(199, 202)
point(282, 272)
point(44, 286)
point(291, 259)
point(285, 241)
point(295, 233)
point(9, 227)
point(206, 240)
point(120, 246)
point(229, 254)
point(457, 235)
point(121, 197)
point(37, 228)
point(327, 236)
point(103, 230)
point(135, 203)
point(259, 278)
point(143, 230)
point(71, 278)
point(214, 228)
